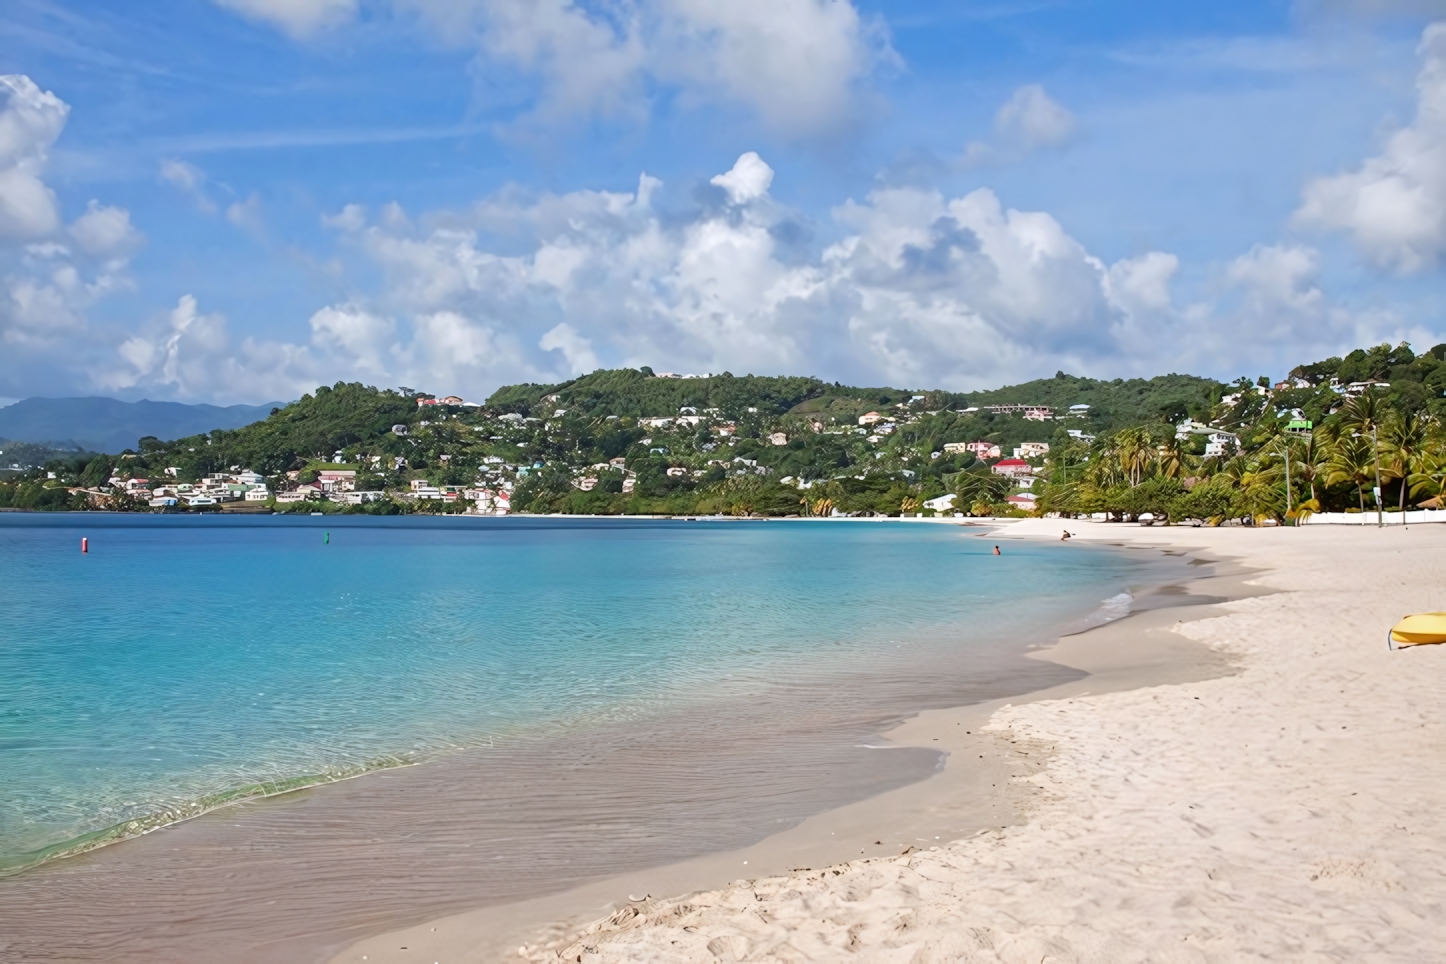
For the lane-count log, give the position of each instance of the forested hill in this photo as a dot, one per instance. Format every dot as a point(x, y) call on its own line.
point(634, 442)
point(1164, 398)
point(640, 393)
point(629, 392)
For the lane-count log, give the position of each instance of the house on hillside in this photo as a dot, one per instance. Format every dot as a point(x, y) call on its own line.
point(336, 480)
point(1221, 444)
point(983, 450)
point(1032, 450)
point(356, 498)
point(1012, 468)
point(870, 418)
point(778, 438)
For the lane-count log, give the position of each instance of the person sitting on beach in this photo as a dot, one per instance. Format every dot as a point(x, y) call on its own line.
point(1065, 537)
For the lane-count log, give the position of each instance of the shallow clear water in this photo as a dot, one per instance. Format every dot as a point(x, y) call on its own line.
point(181, 662)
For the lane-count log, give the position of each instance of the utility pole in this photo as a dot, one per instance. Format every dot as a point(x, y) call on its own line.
point(1376, 447)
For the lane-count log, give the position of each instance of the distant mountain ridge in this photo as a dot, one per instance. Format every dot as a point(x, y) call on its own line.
point(109, 425)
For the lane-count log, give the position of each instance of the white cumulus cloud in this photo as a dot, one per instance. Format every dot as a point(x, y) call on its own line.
point(1033, 119)
point(913, 287)
point(576, 349)
point(1394, 205)
point(749, 179)
point(797, 64)
point(1028, 121)
point(50, 275)
point(105, 232)
point(30, 121)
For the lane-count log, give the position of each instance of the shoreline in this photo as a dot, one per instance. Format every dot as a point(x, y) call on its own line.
point(251, 515)
point(1287, 810)
point(323, 846)
point(1135, 651)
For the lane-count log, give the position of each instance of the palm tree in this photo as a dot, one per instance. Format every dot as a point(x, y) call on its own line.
point(1312, 460)
point(1133, 450)
point(1405, 438)
point(1431, 474)
point(1364, 415)
point(1353, 461)
point(1171, 459)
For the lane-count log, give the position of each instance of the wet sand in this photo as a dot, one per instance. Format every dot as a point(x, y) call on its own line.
point(978, 789)
point(300, 876)
point(1286, 809)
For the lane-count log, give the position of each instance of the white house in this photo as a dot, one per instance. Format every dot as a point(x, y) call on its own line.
point(258, 493)
point(164, 502)
point(336, 480)
point(778, 438)
point(870, 418)
point(1032, 450)
point(356, 498)
point(1220, 444)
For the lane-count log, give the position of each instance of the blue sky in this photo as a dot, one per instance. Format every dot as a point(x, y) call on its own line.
point(236, 200)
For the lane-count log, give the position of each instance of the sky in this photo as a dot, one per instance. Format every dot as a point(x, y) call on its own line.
point(238, 200)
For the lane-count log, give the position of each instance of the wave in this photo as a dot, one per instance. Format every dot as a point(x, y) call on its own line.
point(1116, 607)
point(12, 864)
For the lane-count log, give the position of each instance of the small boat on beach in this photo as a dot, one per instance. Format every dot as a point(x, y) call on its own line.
point(1419, 630)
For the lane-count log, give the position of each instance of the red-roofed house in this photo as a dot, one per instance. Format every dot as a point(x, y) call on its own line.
point(1012, 467)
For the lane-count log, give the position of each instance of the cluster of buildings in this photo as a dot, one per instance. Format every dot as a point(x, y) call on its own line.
point(214, 489)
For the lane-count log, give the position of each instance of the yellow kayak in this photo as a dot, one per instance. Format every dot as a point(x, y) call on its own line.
point(1420, 629)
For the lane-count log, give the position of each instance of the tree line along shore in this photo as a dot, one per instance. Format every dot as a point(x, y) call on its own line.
point(1353, 433)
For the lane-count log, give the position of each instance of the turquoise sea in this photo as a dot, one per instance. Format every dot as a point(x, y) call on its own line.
point(181, 662)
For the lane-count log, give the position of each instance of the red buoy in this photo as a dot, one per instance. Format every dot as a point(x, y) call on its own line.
point(84, 544)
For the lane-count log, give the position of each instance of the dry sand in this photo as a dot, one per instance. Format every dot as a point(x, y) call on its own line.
point(1277, 796)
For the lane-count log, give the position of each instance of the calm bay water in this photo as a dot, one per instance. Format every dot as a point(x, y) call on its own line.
point(182, 662)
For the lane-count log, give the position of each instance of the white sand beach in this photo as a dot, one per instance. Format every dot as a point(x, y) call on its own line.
point(1275, 797)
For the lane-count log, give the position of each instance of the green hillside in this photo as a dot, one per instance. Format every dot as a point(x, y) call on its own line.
point(626, 441)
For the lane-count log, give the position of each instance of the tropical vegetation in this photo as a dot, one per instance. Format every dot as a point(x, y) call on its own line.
point(1358, 433)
